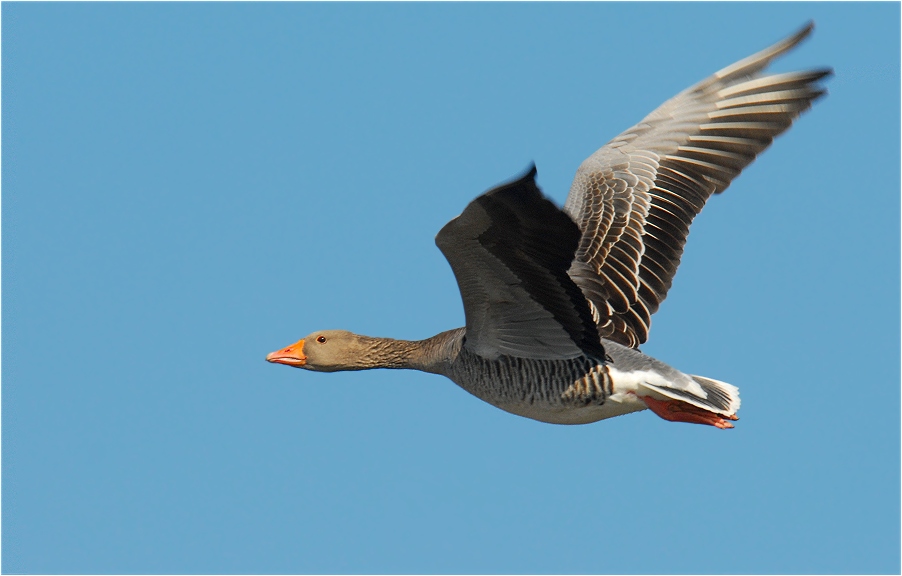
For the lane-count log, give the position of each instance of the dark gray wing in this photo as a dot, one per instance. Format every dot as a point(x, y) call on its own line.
point(635, 198)
point(510, 250)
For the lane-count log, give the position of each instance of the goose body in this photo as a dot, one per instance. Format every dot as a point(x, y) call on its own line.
point(558, 301)
point(581, 390)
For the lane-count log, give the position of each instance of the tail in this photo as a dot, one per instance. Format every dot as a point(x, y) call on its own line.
point(722, 396)
point(721, 399)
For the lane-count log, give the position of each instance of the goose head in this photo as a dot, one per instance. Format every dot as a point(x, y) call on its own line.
point(325, 351)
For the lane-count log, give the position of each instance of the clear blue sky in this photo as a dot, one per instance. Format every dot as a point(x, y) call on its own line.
point(187, 187)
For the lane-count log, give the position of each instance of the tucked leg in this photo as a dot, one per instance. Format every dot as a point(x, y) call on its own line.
point(679, 411)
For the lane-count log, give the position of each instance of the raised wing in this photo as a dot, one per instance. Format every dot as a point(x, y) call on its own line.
point(635, 198)
point(510, 250)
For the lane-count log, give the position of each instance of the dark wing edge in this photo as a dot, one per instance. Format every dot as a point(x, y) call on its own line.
point(636, 197)
point(510, 251)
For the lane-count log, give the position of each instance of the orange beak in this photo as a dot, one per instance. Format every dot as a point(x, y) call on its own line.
point(292, 355)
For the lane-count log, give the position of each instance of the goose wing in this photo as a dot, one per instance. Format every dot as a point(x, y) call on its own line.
point(635, 198)
point(510, 251)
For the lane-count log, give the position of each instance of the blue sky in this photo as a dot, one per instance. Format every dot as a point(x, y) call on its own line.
point(187, 187)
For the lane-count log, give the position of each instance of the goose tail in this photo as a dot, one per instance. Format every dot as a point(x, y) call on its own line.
point(716, 407)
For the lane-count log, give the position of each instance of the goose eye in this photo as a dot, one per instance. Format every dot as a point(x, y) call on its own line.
point(321, 339)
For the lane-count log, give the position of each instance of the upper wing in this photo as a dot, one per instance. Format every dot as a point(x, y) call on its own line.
point(510, 250)
point(635, 198)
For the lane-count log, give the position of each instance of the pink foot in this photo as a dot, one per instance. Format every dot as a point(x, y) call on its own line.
point(679, 411)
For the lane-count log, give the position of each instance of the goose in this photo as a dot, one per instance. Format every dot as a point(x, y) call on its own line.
point(557, 301)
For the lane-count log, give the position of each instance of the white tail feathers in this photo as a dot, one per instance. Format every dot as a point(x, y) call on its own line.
point(722, 398)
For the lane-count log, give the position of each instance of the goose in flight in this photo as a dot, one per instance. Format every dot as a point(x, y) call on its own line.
point(557, 301)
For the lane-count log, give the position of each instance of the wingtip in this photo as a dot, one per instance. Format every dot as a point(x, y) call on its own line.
point(789, 42)
point(762, 59)
point(803, 33)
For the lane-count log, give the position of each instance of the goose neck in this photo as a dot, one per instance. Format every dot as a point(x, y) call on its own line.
point(429, 355)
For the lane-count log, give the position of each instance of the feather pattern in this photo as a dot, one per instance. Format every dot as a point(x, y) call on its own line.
point(556, 301)
point(635, 198)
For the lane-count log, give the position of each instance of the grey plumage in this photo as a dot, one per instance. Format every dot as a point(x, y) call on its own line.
point(557, 300)
point(510, 250)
